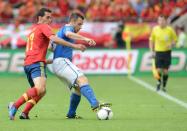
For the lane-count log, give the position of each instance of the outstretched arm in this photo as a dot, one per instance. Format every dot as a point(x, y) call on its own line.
point(76, 36)
point(60, 41)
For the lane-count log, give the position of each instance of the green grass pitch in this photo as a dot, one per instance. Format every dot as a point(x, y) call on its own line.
point(135, 108)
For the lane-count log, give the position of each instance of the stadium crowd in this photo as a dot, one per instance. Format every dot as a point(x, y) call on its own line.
point(19, 11)
point(15, 12)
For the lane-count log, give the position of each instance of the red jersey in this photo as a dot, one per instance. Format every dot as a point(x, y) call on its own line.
point(37, 44)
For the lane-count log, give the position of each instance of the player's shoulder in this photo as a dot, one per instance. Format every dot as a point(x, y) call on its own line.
point(156, 27)
point(44, 26)
point(68, 27)
point(170, 28)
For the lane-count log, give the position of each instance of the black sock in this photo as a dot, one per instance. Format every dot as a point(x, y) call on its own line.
point(159, 80)
point(165, 79)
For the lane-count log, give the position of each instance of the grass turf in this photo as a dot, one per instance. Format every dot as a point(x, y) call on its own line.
point(135, 108)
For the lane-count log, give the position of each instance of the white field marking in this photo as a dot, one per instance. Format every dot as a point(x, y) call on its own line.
point(161, 93)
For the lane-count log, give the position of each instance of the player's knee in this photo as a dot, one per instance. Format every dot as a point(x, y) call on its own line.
point(159, 70)
point(43, 93)
point(82, 81)
point(77, 91)
point(165, 71)
point(41, 90)
point(40, 84)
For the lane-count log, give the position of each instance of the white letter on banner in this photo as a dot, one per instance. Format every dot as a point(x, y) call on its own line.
point(4, 59)
point(181, 61)
point(17, 61)
point(146, 64)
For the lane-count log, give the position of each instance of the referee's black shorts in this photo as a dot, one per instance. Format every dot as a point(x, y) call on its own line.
point(163, 59)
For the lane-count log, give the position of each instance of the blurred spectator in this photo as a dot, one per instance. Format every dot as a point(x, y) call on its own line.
point(26, 11)
point(95, 10)
point(138, 5)
point(64, 7)
point(182, 37)
point(167, 7)
point(6, 11)
point(54, 6)
point(152, 11)
point(128, 11)
point(118, 36)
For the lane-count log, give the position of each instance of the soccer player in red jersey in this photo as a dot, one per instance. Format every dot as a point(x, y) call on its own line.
point(35, 63)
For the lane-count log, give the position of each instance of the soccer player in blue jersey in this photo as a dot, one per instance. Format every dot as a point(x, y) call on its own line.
point(68, 72)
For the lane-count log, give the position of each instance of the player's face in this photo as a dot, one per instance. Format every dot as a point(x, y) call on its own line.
point(162, 21)
point(47, 18)
point(78, 24)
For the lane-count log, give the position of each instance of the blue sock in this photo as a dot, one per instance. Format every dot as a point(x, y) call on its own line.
point(74, 102)
point(87, 92)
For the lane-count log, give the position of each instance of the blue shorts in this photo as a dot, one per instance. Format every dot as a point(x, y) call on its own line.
point(35, 70)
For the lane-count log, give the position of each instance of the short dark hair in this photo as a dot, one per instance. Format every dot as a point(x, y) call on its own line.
point(42, 11)
point(75, 16)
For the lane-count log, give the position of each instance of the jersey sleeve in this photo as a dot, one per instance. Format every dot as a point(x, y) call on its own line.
point(46, 30)
point(152, 36)
point(68, 29)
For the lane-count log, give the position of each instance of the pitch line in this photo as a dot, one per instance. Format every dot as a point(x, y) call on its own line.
point(161, 93)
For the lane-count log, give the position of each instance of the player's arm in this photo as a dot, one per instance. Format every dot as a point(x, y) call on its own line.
point(50, 48)
point(49, 61)
point(151, 45)
point(76, 36)
point(60, 41)
point(47, 31)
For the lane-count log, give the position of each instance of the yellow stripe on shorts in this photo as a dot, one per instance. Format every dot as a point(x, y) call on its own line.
point(42, 66)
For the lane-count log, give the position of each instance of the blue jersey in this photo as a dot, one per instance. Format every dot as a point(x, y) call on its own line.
point(64, 51)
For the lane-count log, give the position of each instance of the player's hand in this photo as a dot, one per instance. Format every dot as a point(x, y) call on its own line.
point(79, 47)
point(91, 42)
point(171, 46)
point(49, 61)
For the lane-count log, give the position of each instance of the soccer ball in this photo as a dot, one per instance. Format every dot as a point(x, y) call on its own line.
point(105, 113)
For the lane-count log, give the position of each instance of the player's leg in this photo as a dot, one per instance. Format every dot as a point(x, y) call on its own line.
point(77, 77)
point(165, 78)
point(159, 80)
point(166, 64)
point(64, 69)
point(66, 72)
point(88, 93)
point(39, 80)
point(74, 102)
point(29, 105)
point(158, 63)
point(14, 107)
